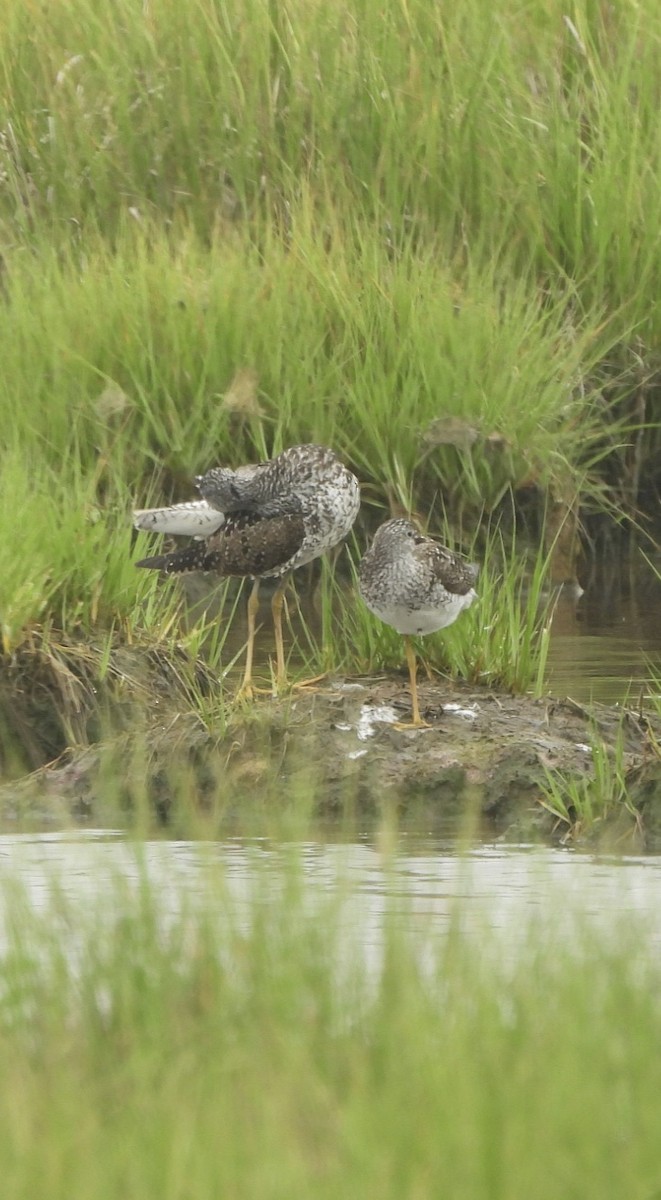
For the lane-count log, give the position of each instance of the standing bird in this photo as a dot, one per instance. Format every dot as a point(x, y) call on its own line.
point(416, 585)
point(260, 520)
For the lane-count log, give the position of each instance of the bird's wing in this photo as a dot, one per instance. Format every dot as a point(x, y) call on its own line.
point(246, 545)
point(451, 570)
point(195, 518)
point(253, 545)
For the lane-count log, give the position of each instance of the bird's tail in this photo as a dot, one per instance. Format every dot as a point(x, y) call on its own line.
point(197, 557)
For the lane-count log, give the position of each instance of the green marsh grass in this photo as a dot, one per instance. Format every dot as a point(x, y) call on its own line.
point(466, 126)
point(124, 364)
point(423, 235)
point(128, 372)
point(581, 804)
point(189, 1044)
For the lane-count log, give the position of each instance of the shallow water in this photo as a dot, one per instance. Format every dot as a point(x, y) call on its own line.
point(603, 642)
point(426, 886)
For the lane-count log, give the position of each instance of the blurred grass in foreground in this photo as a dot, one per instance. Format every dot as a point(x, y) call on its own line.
point(189, 1044)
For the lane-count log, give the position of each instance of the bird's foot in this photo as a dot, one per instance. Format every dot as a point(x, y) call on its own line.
point(280, 685)
point(419, 724)
point(249, 690)
point(302, 684)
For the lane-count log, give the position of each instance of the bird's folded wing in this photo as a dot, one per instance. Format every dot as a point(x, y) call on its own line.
point(247, 545)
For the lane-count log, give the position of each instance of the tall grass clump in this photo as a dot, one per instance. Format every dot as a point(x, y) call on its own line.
point(214, 1047)
point(157, 356)
point(582, 803)
point(128, 372)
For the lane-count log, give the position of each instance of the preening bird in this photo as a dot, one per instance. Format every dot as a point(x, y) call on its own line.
point(260, 520)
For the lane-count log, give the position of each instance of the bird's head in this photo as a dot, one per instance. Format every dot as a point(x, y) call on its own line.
point(226, 490)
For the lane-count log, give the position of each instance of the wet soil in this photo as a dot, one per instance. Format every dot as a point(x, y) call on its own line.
point(482, 766)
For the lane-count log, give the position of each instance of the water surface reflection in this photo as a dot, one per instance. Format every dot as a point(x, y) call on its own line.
point(426, 886)
point(603, 642)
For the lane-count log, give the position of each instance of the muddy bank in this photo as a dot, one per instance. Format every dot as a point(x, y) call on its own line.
point(484, 764)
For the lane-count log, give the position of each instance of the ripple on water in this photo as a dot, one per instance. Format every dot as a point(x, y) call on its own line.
point(427, 887)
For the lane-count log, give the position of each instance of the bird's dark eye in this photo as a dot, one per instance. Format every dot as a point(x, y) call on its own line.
point(235, 491)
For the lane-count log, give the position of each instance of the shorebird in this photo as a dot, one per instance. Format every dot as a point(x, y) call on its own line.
point(416, 585)
point(260, 521)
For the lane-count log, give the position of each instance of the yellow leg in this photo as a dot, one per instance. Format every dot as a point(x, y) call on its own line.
point(417, 722)
point(280, 667)
point(413, 675)
point(276, 608)
point(246, 691)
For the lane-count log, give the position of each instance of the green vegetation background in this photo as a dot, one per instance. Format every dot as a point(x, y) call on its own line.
point(425, 234)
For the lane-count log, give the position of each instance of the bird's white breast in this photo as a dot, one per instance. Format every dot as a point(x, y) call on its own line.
point(419, 621)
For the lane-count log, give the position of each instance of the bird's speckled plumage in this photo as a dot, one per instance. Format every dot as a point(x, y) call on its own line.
point(262, 520)
point(412, 582)
point(416, 585)
point(245, 545)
